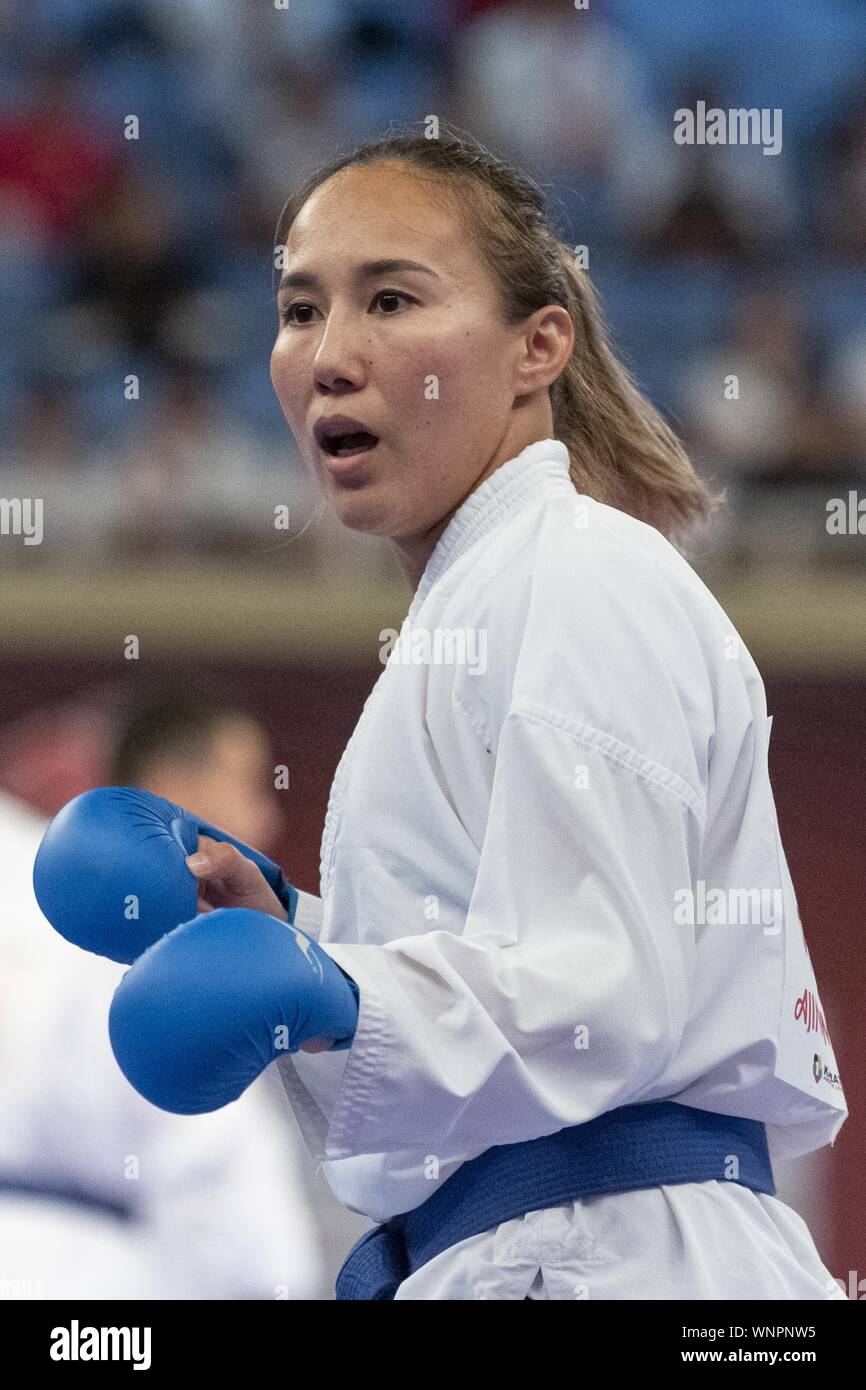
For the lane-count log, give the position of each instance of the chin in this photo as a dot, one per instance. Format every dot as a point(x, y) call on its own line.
point(361, 514)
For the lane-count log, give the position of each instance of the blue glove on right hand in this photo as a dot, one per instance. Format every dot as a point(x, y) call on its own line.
point(207, 1008)
point(111, 875)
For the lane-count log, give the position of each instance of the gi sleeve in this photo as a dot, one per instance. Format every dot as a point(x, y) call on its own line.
point(569, 988)
point(308, 913)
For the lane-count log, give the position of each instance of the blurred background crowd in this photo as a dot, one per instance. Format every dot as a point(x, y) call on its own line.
point(151, 257)
point(137, 314)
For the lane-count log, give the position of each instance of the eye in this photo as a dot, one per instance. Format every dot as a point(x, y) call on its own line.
point(393, 294)
point(288, 310)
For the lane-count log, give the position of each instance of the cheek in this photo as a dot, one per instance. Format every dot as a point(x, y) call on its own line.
point(439, 371)
point(470, 358)
point(284, 374)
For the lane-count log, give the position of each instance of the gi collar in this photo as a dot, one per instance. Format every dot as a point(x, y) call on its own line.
point(502, 495)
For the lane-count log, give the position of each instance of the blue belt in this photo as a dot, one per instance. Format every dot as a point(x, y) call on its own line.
point(16, 1185)
point(634, 1146)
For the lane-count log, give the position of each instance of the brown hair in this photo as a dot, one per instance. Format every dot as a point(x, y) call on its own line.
point(622, 451)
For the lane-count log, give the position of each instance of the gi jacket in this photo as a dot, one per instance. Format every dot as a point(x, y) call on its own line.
point(551, 859)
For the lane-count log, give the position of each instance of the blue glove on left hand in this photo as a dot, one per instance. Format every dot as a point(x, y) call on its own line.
point(201, 1014)
point(111, 873)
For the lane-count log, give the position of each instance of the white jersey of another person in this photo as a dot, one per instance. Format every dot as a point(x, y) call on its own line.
point(216, 1205)
point(552, 863)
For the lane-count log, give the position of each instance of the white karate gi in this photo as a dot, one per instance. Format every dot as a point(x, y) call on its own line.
point(509, 847)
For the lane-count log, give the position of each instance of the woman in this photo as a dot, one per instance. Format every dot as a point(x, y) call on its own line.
point(582, 1017)
point(541, 864)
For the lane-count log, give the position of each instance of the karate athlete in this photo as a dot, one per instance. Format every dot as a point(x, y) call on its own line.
point(553, 1016)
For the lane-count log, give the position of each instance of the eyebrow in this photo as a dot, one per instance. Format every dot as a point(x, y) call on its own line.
point(367, 270)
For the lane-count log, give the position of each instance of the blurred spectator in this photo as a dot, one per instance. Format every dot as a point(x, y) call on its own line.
point(757, 413)
point(392, 63)
point(557, 89)
point(102, 1195)
point(843, 204)
point(288, 125)
point(204, 755)
point(696, 221)
point(773, 419)
point(722, 200)
point(55, 160)
point(134, 261)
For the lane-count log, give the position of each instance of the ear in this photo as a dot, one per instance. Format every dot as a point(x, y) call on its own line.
point(546, 344)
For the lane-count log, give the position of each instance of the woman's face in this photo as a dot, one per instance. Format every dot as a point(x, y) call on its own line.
point(417, 356)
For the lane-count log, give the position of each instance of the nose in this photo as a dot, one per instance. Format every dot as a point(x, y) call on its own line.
point(339, 362)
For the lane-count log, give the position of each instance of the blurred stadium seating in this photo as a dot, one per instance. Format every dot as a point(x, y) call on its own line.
point(152, 256)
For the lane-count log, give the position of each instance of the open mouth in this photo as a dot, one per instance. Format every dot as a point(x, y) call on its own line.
point(346, 445)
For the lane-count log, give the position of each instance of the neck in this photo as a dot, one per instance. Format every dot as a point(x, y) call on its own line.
point(413, 552)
